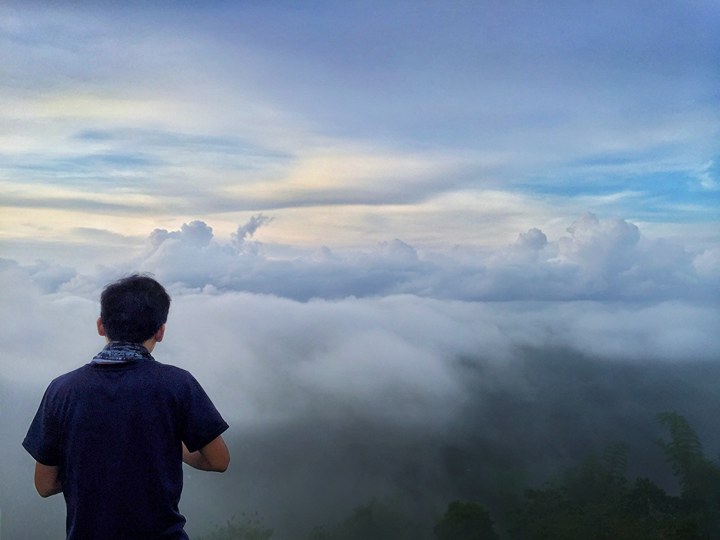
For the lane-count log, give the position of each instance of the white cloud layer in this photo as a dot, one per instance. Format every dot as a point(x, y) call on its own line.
point(268, 357)
point(596, 259)
point(602, 289)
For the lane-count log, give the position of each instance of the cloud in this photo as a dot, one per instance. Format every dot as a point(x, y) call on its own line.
point(603, 289)
point(599, 259)
point(374, 395)
point(534, 239)
point(707, 263)
point(389, 359)
point(496, 110)
point(194, 234)
point(245, 232)
point(360, 353)
point(708, 176)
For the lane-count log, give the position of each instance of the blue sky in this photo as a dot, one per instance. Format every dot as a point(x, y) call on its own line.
point(352, 123)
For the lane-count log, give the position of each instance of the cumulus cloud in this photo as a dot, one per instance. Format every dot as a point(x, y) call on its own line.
point(195, 233)
point(599, 259)
point(707, 264)
point(43, 274)
point(533, 239)
point(241, 238)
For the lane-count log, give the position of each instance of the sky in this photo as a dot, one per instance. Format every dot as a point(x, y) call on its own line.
point(403, 239)
point(354, 123)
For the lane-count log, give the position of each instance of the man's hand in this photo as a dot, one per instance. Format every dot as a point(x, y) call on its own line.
point(214, 456)
point(47, 479)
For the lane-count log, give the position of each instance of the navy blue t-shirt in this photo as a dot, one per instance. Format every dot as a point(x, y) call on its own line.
point(115, 432)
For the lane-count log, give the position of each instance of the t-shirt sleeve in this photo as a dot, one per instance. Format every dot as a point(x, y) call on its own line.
point(43, 437)
point(203, 423)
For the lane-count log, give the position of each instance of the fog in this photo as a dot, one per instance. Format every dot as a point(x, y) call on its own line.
point(391, 372)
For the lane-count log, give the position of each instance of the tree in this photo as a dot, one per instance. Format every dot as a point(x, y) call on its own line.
point(376, 520)
point(699, 477)
point(465, 521)
point(595, 501)
point(247, 529)
point(685, 453)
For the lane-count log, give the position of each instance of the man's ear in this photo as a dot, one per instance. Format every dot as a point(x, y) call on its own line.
point(160, 334)
point(100, 327)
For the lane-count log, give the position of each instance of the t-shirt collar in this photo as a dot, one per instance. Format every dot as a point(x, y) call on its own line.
point(117, 352)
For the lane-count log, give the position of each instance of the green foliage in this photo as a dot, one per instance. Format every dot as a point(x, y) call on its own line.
point(614, 460)
point(595, 501)
point(247, 529)
point(591, 501)
point(376, 520)
point(684, 451)
point(609, 509)
point(465, 521)
point(699, 477)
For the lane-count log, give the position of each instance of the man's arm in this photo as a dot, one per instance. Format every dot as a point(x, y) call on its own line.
point(214, 456)
point(47, 479)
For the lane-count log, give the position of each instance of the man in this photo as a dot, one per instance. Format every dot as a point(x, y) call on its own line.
point(113, 434)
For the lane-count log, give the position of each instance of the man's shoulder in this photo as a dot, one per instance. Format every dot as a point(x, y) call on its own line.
point(171, 369)
point(167, 375)
point(173, 375)
point(67, 383)
point(87, 370)
point(70, 376)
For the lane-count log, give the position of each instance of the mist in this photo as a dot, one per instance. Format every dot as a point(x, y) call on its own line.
point(393, 372)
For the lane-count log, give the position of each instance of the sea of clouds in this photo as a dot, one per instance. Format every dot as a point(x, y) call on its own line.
point(391, 370)
point(603, 260)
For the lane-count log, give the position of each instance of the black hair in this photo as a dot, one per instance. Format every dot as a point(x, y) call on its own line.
point(133, 308)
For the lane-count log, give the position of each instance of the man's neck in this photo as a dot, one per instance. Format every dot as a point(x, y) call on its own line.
point(149, 344)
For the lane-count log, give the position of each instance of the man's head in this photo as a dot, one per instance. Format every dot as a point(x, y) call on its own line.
point(133, 309)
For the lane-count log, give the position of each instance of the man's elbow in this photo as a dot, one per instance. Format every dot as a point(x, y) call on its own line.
point(47, 490)
point(217, 455)
point(47, 481)
point(44, 492)
point(221, 464)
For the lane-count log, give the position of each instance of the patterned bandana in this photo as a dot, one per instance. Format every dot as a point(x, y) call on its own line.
point(118, 352)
